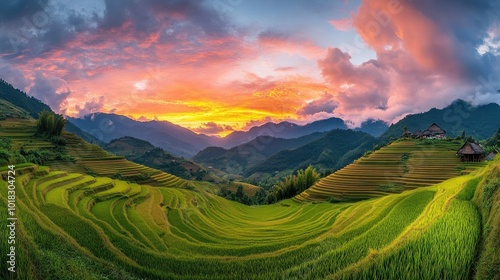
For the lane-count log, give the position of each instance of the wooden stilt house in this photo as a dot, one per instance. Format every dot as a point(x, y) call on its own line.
point(471, 152)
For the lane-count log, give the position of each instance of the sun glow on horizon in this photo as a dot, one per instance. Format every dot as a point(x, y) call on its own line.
point(218, 71)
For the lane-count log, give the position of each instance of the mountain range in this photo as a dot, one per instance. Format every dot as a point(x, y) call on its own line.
point(184, 142)
point(264, 149)
point(331, 152)
point(173, 138)
point(242, 157)
point(478, 121)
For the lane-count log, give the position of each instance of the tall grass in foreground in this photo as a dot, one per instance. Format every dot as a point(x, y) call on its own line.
point(445, 251)
point(487, 197)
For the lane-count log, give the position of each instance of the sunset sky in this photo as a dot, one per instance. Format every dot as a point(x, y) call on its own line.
point(221, 65)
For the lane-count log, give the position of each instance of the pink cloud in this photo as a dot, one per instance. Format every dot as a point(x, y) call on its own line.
point(400, 25)
point(422, 60)
point(344, 24)
point(357, 87)
point(292, 44)
point(324, 104)
point(52, 90)
point(188, 61)
point(92, 106)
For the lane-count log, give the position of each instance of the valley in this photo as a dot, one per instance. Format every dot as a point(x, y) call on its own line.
point(86, 212)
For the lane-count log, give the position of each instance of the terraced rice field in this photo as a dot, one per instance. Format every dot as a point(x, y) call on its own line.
point(93, 158)
point(142, 232)
point(402, 165)
point(88, 158)
point(74, 221)
point(21, 132)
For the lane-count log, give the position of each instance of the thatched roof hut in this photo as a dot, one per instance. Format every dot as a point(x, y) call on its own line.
point(471, 152)
point(418, 133)
point(435, 129)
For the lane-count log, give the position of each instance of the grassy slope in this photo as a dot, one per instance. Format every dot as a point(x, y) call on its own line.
point(87, 158)
point(126, 230)
point(487, 198)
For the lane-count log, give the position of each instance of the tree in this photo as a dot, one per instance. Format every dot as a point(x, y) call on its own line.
point(463, 135)
point(239, 196)
point(50, 124)
point(293, 184)
point(406, 132)
point(5, 155)
point(471, 139)
point(59, 123)
point(260, 196)
point(239, 192)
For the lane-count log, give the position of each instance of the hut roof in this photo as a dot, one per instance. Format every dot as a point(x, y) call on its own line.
point(435, 129)
point(418, 133)
point(471, 149)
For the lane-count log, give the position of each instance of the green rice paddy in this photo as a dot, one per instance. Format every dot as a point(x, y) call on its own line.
point(141, 231)
point(403, 165)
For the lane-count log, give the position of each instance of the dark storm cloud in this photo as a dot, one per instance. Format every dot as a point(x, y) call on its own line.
point(146, 17)
point(32, 27)
point(13, 10)
point(468, 22)
point(36, 26)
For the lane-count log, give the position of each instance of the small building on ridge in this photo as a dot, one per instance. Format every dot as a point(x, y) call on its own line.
point(418, 134)
point(434, 131)
point(407, 134)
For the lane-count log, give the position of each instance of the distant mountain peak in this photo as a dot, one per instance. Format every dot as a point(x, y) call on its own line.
point(173, 138)
point(460, 101)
